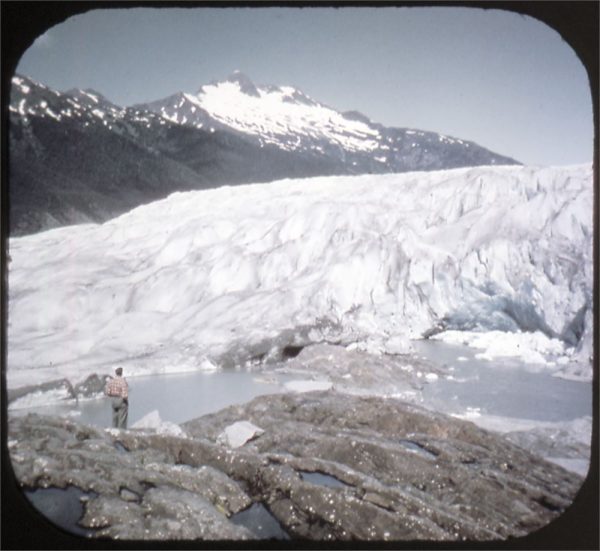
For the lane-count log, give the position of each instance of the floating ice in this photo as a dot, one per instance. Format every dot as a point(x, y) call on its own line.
point(529, 347)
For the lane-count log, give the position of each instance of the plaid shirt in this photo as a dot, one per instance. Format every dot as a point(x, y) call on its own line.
point(117, 386)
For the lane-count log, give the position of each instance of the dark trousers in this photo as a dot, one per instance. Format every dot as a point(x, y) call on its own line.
point(120, 408)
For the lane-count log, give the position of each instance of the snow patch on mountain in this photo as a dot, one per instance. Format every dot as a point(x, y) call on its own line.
point(32, 99)
point(274, 113)
point(206, 276)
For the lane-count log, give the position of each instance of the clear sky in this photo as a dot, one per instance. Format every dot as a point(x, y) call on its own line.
point(506, 81)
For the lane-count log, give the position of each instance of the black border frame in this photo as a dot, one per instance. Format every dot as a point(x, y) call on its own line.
point(24, 528)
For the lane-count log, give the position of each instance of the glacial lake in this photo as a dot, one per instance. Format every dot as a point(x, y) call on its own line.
point(503, 387)
point(178, 397)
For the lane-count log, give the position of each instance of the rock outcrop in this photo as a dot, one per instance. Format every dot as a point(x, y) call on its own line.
point(61, 389)
point(328, 467)
point(356, 371)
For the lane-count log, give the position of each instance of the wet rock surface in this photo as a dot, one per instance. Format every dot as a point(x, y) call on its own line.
point(567, 446)
point(358, 372)
point(328, 466)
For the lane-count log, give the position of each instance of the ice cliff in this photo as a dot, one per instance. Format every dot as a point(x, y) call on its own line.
point(203, 276)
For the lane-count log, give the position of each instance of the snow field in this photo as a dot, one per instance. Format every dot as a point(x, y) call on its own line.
point(274, 113)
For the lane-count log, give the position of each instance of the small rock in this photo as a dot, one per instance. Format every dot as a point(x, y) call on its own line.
point(128, 495)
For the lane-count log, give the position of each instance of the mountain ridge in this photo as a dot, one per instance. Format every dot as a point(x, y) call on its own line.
point(76, 157)
point(290, 119)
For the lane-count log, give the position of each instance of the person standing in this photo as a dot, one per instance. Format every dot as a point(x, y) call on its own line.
point(118, 390)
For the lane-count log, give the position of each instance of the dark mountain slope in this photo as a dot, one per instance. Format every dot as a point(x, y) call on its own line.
point(76, 157)
point(74, 161)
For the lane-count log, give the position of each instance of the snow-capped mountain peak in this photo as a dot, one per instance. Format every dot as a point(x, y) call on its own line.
point(244, 83)
point(281, 115)
point(286, 118)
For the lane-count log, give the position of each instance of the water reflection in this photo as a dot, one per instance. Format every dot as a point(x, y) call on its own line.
point(322, 479)
point(260, 522)
point(63, 507)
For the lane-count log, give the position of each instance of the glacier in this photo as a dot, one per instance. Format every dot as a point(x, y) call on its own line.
point(235, 275)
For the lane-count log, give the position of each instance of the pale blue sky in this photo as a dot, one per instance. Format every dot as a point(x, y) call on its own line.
point(503, 80)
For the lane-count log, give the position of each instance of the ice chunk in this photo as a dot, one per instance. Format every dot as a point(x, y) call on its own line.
point(398, 345)
point(239, 433)
point(530, 347)
point(152, 421)
point(308, 386)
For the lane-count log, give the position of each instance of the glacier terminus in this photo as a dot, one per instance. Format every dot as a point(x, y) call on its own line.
point(206, 278)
